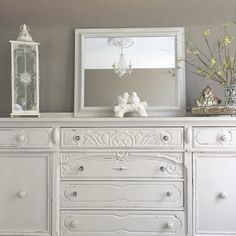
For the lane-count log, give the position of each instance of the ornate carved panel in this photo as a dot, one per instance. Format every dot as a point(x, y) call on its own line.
point(121, 164)
point(130, 137)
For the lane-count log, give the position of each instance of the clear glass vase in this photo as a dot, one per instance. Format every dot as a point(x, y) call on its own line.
point(230, 95)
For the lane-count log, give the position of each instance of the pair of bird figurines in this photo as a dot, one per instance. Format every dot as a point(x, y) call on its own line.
point(129, 103)
point(126, 98)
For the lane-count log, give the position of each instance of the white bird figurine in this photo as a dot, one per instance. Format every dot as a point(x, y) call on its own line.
point(134, 99)
point(126, 103)
point(122, 100)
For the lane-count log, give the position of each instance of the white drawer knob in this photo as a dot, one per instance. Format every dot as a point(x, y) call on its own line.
point(224, 138)
point(170, 225)
point(222, 195)
point(168, 194)
point(20, 138)
point(74, 224)
point(21, 194)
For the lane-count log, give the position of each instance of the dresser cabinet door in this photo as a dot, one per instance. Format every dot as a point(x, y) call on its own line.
point(24, 198)
point(215, 194)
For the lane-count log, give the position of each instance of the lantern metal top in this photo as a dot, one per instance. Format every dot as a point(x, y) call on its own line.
point(24, 34)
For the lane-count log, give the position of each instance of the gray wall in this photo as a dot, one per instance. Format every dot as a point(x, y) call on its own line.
point(52, 23)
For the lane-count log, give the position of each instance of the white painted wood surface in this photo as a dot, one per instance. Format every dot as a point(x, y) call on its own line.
point(214, 137)
point(122, 137)
point(25, 138)
point(121, 223)
point(215, 194)
point(25, 197)
point(121, 194)
point(118, 185)
point(121, 165)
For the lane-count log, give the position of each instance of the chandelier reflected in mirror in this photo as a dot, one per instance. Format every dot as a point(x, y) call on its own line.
point(120, 66)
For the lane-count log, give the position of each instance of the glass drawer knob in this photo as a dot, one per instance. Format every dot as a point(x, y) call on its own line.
point(165, 138)
point(74, 194)
point(162, 168)
point(76, 137)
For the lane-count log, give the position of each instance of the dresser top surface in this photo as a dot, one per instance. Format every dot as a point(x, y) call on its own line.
point(126, 121)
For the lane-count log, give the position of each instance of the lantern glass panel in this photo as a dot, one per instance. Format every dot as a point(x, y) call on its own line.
point(25, 77)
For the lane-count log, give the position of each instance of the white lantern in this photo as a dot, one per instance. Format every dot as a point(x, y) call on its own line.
point(25, 75)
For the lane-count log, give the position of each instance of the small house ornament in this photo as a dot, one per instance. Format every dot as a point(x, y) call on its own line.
point(25, 75)
point(207, 98)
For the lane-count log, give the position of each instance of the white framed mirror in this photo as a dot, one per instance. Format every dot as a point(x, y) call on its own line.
point(111, 61)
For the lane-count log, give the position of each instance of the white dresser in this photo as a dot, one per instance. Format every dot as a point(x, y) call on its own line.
point(27, 179)
point(118, 177)
point(122, 181)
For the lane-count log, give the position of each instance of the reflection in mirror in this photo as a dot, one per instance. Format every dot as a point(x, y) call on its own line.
point(152, 60)
point(109, 62)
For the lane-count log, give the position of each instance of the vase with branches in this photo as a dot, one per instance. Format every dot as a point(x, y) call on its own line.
point(217, 62)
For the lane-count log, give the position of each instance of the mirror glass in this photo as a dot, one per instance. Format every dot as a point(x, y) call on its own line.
point(153, 64)
point(110, 62)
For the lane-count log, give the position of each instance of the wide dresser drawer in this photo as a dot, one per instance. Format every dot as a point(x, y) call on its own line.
point(121, 194)
point(122, 137)
point(122, 223)
point(214, 137)
point(81, 165)
point(25, 137)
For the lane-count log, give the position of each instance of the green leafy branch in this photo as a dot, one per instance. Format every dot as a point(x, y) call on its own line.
point(220, 68)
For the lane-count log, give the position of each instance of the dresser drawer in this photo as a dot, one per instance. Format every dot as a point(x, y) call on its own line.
point(122, 137)
point(122, 223)
point(214, 137)
point(118, 194)
point(25, 204)
point(121, 165)
point(25, 137)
